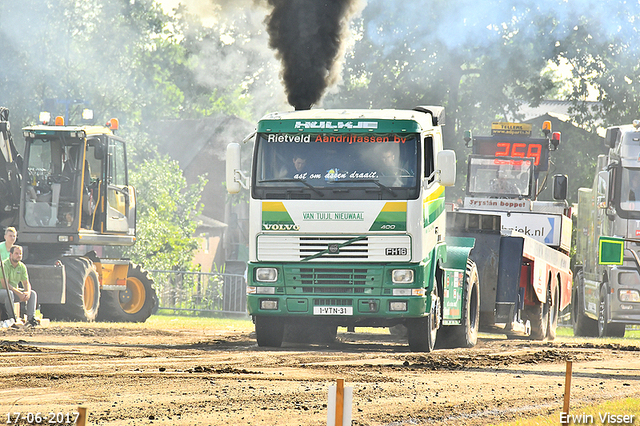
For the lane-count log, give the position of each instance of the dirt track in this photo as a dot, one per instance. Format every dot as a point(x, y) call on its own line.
point(144, 376)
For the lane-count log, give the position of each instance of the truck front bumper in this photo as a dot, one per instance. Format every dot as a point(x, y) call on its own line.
point(378, 310)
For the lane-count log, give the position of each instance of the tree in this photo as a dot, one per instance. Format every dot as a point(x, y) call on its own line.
point(166, 216)
point(602, 48)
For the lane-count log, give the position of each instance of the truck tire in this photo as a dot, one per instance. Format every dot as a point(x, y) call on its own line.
point(82, 292)
point(465, 335)
point(422, 332)
point(606, 328)
point(538, 316)
point(269, 331)
point(554, 312)
point(135, 304)
point(582, 324)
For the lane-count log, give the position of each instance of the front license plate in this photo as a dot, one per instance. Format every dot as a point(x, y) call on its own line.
point(333, 310)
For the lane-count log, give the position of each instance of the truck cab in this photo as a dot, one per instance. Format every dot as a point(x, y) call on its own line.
point(347, 226)
point(607, 296)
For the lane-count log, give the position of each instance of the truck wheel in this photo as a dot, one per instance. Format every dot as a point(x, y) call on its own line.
point(606, 328)
point(538, 316)
point(82, 292)
point(554, 313)
point(465, 335)
point(422, 332)
point(269, 331)
point(135, 304)
point(582, 324)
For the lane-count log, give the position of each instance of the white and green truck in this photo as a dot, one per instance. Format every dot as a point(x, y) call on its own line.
point(347, 228)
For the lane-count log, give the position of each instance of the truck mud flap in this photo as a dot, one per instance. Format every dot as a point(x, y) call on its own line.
point(48, 282)
point(485, 229)
point(508, 294)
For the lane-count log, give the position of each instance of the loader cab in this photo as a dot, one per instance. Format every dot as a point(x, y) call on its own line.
point(75, 188)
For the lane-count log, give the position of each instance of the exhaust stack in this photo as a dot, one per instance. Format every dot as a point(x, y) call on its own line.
point(308, 36)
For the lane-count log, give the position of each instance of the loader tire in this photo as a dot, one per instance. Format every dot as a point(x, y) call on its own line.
point(82, 292)
point(135, 304)
point(582, 325)
point(464, 335)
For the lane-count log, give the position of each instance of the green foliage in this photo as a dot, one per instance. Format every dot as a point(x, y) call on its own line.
point(166, 215)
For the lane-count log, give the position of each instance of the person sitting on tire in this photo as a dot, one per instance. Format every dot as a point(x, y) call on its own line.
point(15, 273)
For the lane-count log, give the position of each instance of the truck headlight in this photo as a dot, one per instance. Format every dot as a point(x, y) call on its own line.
point(629, 295)
point(402, 276)
point(266, 275)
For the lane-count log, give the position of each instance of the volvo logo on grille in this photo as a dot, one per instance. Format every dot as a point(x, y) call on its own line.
point(334, 248)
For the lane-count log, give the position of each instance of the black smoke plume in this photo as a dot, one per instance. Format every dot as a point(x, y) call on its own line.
point(308, 36)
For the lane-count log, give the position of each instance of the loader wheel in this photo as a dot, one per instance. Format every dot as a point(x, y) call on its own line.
point(538, 316)
point(606, 328)
point(582, 324)
point(465, 335)
point(135, 304)
point(269, 331)
point(82, 292)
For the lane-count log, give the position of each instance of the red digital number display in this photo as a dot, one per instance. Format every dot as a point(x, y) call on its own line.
point(519, 149)
point(523, 148)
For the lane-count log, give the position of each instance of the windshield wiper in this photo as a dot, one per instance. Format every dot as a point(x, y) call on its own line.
point(313, 188)
point(374, 181)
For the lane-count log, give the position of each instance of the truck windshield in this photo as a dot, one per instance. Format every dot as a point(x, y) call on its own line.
point(336, 166)
point(630, 190)
point(499, 177)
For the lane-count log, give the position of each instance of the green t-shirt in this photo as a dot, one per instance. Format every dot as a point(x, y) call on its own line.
point(15, 275)
point(4, 253)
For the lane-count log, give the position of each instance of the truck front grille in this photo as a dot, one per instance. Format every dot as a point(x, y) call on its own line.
point(333, 280)
point(310, 248)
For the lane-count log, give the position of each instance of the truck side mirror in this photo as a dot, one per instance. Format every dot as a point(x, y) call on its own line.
point(233, 164)
point(610, 250)
point(611, 137)
point(446, 166)
point(560, 185)
point(602, 190)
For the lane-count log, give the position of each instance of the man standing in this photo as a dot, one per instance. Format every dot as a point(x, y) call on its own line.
point(10, 236)
point(15, 273)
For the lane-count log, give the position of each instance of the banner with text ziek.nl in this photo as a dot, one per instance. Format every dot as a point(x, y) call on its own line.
point(541, 227)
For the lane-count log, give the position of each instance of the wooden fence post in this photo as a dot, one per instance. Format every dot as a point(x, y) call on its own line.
point(567, 390)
